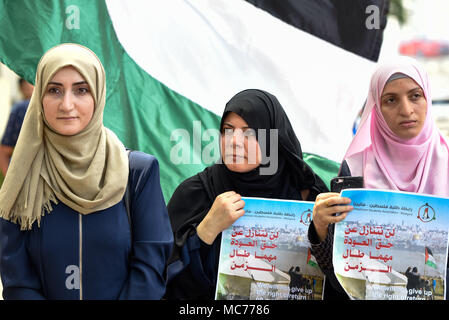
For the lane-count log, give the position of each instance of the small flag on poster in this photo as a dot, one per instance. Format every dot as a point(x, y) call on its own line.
point(430, 260)
point(311, 259)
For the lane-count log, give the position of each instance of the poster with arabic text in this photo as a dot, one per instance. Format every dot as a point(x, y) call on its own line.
point(265, 254)
point(392, 246)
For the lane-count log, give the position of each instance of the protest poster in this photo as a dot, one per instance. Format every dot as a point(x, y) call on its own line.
point(392, 246)
point(265, 254)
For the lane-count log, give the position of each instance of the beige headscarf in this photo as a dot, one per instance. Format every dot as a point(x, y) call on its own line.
point(87, 171)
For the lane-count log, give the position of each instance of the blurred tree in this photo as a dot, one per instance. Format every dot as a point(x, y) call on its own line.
point(397, 10)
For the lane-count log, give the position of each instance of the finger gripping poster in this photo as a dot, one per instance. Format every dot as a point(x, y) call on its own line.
point(392, 246)
point(265, 254)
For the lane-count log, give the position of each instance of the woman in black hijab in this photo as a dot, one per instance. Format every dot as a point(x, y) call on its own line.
point(206, 204)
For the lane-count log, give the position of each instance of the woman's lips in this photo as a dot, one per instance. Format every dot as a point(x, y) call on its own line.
point(408, 123)
point(235, 158)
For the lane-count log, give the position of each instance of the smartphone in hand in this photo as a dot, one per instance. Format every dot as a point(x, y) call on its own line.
point(340, 183)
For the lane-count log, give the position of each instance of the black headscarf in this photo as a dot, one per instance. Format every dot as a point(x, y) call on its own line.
point(194, 197)
point(261, 110)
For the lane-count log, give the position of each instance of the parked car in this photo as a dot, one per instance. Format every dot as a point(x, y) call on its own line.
point(424, 48)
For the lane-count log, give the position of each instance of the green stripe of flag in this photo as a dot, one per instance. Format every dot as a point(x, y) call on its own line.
point(142, 111)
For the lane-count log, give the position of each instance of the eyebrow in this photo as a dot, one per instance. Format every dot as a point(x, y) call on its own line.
point(75, 84)
point(411, 90)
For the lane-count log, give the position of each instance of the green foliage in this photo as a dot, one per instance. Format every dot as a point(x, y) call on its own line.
point(397, 10)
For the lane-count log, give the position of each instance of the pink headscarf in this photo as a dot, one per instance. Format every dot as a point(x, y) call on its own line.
point(420, 164)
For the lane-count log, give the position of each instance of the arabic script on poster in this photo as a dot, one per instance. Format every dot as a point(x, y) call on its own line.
point(392, 246)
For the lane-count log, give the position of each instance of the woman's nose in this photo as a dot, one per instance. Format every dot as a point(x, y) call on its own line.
point(238, 138)
point(406, 107)
point(67, 102)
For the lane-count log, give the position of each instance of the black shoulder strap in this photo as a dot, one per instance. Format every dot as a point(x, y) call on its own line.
point(127, 196)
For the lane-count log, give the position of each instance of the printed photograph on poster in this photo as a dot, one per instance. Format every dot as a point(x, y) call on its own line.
point(265, 254)
point(392, 246)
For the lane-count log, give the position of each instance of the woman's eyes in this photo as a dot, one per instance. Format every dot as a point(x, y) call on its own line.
point(416, 95)
point(413, 97)
point(82, 90)
point(248, 132)
point(54, 90)
point(389, 100)
point(77, 91)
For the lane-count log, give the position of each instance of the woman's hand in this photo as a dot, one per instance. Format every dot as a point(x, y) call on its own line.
point(225, 210)
point(324, 210)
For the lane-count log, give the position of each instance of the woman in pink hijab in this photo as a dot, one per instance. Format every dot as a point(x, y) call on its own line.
point(397, 147)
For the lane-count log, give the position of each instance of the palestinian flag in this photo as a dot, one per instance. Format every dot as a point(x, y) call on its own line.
point(172, 65)
point(429, 259)
point(311, 259)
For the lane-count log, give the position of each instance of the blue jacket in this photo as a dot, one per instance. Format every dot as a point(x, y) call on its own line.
point(75, 256)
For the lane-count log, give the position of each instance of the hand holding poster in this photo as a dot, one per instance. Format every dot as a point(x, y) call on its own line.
point(393, 245)
point(265, 254)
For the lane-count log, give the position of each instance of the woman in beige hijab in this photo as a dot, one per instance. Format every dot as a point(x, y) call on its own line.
point(65, 232)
